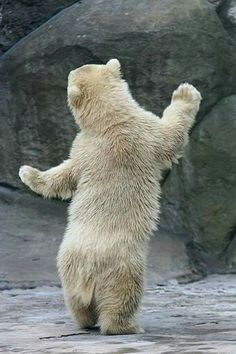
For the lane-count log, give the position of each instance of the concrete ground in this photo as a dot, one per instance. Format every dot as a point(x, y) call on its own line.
point(195, 318)
point(190, 318)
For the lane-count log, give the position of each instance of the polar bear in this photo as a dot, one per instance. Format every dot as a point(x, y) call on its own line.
point(113, 176)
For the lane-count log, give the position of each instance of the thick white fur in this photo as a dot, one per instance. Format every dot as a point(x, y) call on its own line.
point(112, 175)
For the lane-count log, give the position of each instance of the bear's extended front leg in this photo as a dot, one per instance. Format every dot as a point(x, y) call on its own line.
point(58, 181)
point(172, 130)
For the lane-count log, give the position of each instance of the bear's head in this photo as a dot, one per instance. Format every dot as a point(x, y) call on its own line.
point(93, 91)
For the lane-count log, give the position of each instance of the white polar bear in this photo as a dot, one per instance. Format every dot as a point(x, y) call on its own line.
point(112, 174)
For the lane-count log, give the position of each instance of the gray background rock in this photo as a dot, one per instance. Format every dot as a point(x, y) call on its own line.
point(160, 44)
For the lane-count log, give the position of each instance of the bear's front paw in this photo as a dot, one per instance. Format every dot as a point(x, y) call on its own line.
point(28, 175)
point(187, 93)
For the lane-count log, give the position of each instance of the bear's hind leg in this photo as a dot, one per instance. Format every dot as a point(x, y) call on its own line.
point(118, 303)
point(85, 316)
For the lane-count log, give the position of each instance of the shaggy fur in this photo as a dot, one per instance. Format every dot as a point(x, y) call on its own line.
point(112, 175)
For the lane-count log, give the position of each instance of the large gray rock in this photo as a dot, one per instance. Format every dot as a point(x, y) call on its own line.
point(199, 196)
point(159, 46)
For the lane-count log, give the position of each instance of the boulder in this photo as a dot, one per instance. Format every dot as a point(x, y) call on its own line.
point(199, 196)
point(159, 46)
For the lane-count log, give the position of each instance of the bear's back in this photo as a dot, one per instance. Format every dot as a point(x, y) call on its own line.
point(118, 187)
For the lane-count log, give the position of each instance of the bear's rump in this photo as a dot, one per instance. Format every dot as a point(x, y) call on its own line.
point(87, 268)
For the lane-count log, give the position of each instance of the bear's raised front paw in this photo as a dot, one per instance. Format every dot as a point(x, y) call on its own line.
point(27, 174)
point(187, 93)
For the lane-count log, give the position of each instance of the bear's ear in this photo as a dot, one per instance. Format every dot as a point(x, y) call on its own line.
point(114, 67)
point(73, 93)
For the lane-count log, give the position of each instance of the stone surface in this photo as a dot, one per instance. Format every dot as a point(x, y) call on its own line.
point(20, 17)
point(178, 319)
point(227, 15)
point(33, 73)
point(199, 196)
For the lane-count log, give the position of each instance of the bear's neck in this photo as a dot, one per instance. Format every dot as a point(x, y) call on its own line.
point(99, 114)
